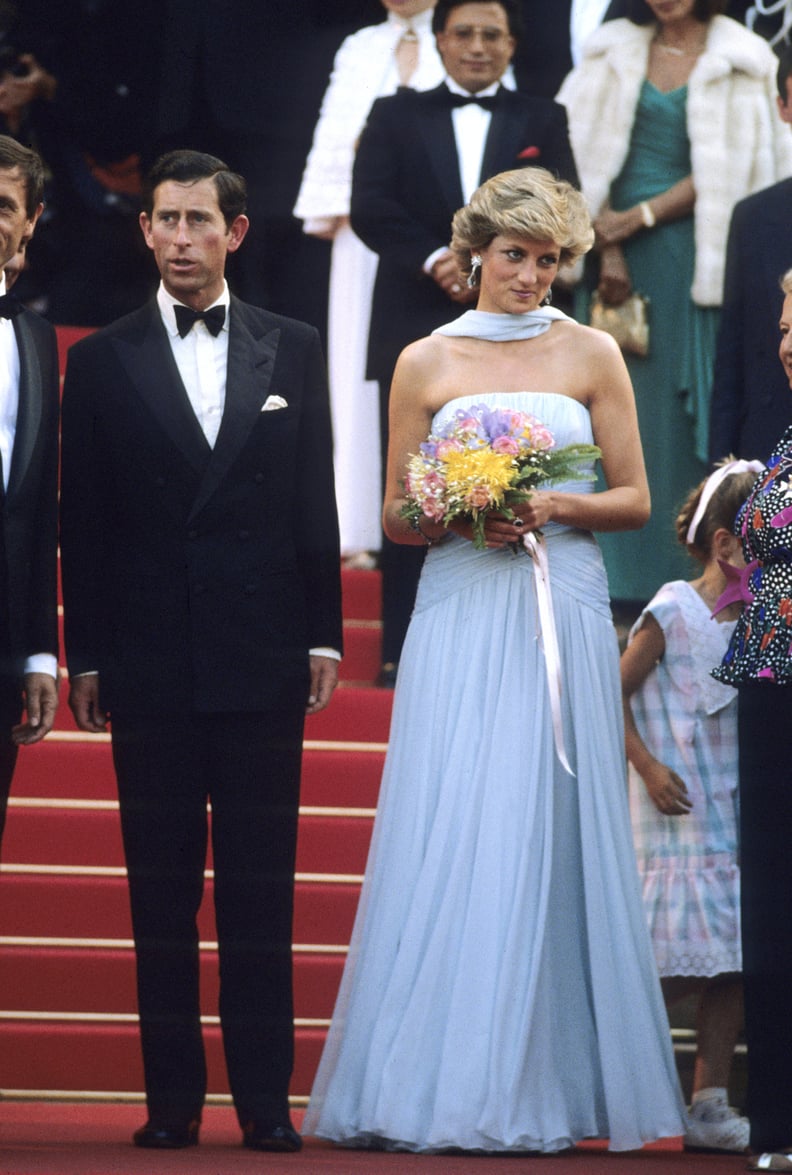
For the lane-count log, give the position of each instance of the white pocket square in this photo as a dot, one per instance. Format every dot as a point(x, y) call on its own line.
point(273, 402)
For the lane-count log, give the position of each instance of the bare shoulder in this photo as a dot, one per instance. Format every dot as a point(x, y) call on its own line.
point(423, 355)
point(587, 340)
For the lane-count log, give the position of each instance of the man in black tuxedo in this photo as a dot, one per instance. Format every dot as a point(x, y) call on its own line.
point(28, 484)
point(201, 586)
point(750, 406)
point(421, 156)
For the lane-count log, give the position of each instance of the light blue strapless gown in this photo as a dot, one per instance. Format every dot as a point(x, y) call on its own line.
point(500, 992)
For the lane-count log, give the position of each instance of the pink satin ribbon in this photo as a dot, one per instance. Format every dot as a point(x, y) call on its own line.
point(534, 544)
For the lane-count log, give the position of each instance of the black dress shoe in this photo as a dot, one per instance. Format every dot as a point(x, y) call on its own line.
point(280, 1137)
point(158, 1136)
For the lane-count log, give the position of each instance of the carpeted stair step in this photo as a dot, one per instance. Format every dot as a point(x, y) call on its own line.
point(64, 1055)
point(81, 768)
point(85, 837)
point(42, 906)
point(97, 979)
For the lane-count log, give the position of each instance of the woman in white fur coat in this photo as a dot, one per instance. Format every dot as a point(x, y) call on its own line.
point(672, 120)
point(370, 64)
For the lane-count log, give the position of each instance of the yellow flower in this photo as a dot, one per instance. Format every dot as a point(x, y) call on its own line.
point(479, 467)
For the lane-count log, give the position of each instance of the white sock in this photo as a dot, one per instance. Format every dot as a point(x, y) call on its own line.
point(712, 1093)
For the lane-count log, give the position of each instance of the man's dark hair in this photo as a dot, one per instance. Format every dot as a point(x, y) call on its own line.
point(186, 167)
point(639, 12)
point(510, 7)
point(14, 156)
point(784, 70)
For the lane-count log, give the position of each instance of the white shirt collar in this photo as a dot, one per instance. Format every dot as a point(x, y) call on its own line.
point(166, 302)
point(421, 22)
point(457, 89)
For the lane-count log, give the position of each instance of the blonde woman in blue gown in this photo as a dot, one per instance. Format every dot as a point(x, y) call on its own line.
point(500, 992)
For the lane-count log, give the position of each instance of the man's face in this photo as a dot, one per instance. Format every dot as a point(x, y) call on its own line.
point(15, 224)
point(190, 240)
point(476, 45)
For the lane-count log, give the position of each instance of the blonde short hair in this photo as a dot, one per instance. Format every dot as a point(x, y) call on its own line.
point(786, 282)
point(529, 202)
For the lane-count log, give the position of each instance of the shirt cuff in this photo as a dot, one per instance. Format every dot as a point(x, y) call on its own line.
point(332, 653)
point(42, 663)
point(430, 260)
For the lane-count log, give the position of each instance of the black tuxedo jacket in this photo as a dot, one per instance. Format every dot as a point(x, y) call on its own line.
point(751, 400)
point(406, 189)
point(30, 505)
point(197, 578)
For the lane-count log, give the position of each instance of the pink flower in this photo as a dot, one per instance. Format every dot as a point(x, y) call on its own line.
point(506, 444)
point(477, 498)
point(448, 446)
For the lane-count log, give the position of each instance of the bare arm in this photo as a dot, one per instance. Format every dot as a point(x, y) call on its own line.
point(672, 204)
point(665, 788)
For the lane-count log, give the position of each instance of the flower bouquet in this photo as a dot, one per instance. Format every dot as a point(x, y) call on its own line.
point(487, 459)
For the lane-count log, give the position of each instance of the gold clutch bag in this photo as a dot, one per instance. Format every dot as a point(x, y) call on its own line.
point(627, 322)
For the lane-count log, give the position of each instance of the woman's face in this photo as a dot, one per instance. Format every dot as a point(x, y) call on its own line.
point(516, 273)
point(785, 346)
point(408, 8)
point(669, 11)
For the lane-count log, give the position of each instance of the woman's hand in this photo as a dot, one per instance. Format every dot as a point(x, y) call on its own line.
point(666, 790)
point(615, 284)
point(530, 515)
point(614, 227)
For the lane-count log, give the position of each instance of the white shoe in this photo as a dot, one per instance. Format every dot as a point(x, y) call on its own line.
point(715, 1126)
point(771, 1161)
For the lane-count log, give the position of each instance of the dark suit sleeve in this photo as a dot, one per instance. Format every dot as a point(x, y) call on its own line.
point(557, 155)
point(727, 403)
point(40, 518)
point(82, 521)
point(379, 213)
point(316, 519)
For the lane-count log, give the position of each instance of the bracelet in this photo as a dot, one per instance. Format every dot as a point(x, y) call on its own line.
point(647, 214)
point(430, 540)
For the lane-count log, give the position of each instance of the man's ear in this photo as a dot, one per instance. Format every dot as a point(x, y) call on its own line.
point(32, 221)
point(237, 233)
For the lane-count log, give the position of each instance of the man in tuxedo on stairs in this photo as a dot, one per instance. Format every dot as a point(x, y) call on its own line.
point(420, 158)
point(201, 579)
point(28, 484)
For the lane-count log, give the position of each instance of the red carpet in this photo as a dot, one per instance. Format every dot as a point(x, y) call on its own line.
point(55, 1139)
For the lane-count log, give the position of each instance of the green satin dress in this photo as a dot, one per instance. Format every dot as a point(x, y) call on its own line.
point(672, 384)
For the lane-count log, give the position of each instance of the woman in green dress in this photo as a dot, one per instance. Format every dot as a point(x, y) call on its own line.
point(672, 120)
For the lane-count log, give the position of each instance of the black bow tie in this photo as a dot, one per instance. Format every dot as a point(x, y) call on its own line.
point(9, 306)
point(490, 103)
point(186, 318)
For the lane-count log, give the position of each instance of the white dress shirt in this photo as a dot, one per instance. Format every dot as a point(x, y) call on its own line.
point(471, 126)
point(9, 408)
point(202, 360)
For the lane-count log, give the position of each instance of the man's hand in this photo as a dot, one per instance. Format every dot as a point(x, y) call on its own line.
point(41, 702)
point(84, 703)
point(445, 272)
point(324, 679)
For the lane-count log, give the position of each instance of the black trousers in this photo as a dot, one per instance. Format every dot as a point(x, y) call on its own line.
point(10, 712)
point(765, 734)
point(248, 766)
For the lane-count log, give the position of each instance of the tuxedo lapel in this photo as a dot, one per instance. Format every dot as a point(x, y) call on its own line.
point(149, 363)
point(30, 405)
point(437, 131)
point(251, 361)
point(506, 126)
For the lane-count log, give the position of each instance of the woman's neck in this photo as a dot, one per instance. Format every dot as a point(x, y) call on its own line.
point(684, 37)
